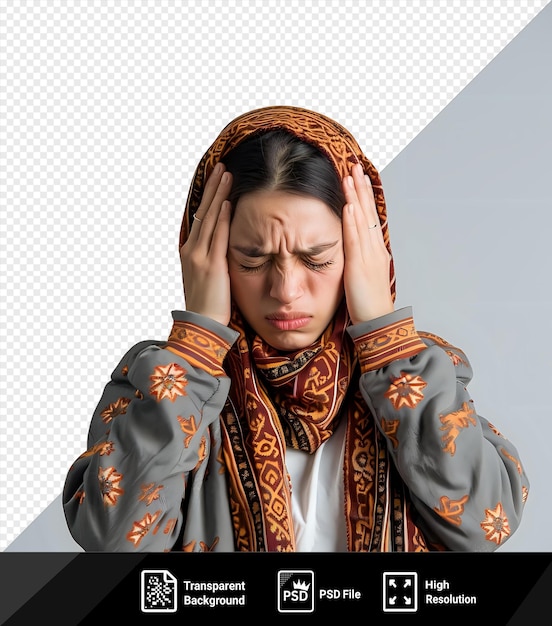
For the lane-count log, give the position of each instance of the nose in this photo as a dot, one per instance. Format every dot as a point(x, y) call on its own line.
point(285, 284)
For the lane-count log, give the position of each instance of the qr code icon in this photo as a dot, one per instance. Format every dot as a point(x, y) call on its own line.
point(158, 591)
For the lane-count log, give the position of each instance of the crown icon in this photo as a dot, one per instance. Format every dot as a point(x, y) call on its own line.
point(299, 584)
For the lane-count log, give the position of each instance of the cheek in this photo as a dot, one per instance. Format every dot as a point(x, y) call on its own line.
point(243, 285)
point(329, 286)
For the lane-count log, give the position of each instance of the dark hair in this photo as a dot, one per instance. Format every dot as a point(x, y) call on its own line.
point(278, 161)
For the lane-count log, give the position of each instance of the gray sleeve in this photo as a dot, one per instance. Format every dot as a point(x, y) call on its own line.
point(465, 478)
point(148, 432)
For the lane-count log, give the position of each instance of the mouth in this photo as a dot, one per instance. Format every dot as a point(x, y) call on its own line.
point(288, 321)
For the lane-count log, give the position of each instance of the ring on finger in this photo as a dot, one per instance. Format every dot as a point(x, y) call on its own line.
point(196, 218)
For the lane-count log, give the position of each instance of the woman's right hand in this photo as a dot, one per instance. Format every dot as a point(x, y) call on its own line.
point(203, 254)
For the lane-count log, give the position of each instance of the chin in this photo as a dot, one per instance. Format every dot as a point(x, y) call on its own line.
point(289, 342)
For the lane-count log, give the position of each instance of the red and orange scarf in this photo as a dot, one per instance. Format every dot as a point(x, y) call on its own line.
point(297, 399)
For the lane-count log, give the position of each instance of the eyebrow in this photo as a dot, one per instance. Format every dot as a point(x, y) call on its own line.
point(257, 251)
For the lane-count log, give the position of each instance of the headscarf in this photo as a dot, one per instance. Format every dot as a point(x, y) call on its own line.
point(297, 399)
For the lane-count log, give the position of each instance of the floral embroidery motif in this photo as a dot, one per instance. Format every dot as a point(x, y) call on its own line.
point(114, 409)
point(208, 548)
point(496, 524)
point(455, 358)
point(451, 510)
point(405, 390)
point(104, 448)
point(110, 485)
point(453, 423)
point(188, 427)
point(168, 381)
point(150, 493)
point(189, 547)
point(141, 528)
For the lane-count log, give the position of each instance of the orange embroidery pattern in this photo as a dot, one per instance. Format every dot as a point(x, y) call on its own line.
point(208, 548)
point(168, 381)
point(200, 347)
point(188, 427)
point(150, 493)
point(453, 423)
point(495, 430)
point(455, 358)
point(390, 428)
point(496, 525)
point(141, 528)
point(220, 461)
point(381, 346)
point(170, 526)
point(103, 449)
point(405, 390)
point(202, 452)
point(114, 409)
point(525, 493)
point(109, 485)
point(451, 510)
point(203, 547)
point(515, 461)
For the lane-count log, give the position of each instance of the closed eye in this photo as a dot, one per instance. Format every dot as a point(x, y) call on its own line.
point(315, 267)
point(251, 269)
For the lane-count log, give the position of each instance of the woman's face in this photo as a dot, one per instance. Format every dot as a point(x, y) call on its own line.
point(286, 262)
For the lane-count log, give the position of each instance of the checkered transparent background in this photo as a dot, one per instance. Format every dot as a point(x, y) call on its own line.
point(106, 109)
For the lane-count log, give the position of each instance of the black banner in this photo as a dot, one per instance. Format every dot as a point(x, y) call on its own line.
point(93, 588)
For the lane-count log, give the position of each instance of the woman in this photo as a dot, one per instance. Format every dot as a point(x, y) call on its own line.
point(291, 408)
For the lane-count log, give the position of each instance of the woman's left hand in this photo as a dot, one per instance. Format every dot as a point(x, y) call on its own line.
point(367, 260)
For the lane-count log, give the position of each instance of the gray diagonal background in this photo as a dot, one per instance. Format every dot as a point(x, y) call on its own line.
point(470, 225)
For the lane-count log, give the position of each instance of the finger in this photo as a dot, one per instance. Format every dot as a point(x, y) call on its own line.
point(358, 215)
point(365, 194)
point(221, 232)
point(210, 190)
point(207, 216)
point(352, 246)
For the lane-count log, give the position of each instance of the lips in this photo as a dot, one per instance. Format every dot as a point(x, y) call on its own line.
point(288, 321)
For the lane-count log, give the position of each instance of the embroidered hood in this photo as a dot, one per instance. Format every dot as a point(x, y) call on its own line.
point(332, 139)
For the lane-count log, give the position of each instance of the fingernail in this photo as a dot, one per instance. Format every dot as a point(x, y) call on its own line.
point(350, 181)
point(224, 178)
point(216, 169)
